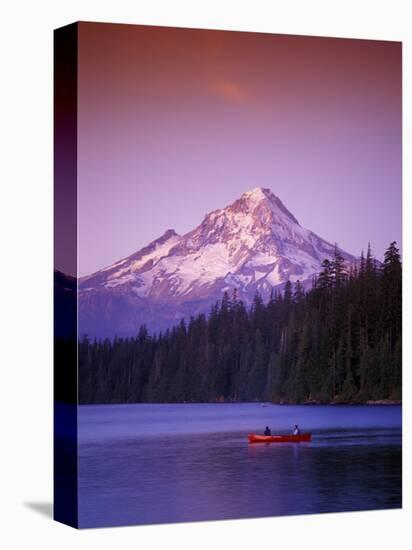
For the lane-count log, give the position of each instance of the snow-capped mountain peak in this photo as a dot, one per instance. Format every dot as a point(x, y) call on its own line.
point(253, 244)
point(260, 195)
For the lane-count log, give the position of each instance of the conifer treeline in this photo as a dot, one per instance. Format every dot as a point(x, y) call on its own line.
point(339, 342)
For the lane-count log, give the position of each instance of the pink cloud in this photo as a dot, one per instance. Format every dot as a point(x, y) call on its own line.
point(232, 92)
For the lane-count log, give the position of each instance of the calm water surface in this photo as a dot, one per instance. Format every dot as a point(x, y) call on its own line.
point(141, 464)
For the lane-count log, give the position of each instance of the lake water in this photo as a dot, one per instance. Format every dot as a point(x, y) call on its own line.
point(143, 464)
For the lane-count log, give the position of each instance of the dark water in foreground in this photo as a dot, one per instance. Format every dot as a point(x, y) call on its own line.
point(141, 464)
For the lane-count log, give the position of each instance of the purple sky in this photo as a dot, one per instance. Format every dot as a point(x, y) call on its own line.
point(175, 123)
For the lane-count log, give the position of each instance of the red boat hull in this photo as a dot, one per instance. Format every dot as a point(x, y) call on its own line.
point(255, 438)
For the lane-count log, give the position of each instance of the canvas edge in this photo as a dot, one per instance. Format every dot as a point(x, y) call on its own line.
point(65, 468)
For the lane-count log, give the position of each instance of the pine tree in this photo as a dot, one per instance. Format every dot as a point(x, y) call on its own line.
point(299, 293)
point(325, 279)
point(392, 266)
point(287, 298)
point(337, 268)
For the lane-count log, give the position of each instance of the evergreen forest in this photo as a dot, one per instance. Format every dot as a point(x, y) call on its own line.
point(338, 342)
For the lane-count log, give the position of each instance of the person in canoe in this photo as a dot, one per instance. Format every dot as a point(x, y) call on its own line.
point(296, 430)
point(267, 431)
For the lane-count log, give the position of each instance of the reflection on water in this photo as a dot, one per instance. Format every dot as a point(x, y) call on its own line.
point(168, 463)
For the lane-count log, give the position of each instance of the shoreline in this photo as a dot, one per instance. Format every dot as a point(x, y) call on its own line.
point(370, 403)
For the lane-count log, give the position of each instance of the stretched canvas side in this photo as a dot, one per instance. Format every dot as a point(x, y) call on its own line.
point(65, 275)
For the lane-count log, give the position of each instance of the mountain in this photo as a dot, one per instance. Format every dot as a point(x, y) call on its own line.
point(254, 244)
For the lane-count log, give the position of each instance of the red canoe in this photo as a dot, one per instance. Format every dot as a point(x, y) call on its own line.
point(255, 438)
